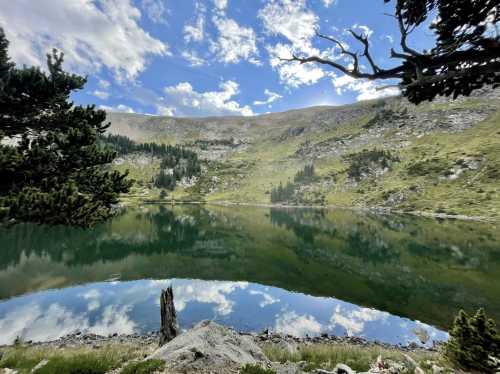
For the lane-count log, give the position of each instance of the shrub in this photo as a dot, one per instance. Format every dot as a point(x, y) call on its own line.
point(473, 340)
point(143, 367)
point(362, 163)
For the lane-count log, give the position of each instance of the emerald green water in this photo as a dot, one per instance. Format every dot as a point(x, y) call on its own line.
point(298, 270)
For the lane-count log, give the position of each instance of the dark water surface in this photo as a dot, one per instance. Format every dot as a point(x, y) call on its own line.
point(297, 271)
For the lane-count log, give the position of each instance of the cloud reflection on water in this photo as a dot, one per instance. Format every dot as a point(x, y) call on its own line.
point(132, 307)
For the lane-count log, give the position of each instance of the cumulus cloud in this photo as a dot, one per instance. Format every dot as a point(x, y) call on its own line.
point(189, 102)
point(234, 42)
point(114, 319)
point(91, 34)
point(293, 74)
point(271, 98)
point(92, 296)
point(155, 10)
point(291, 19)
point(327, 3)
point(220, 4)
point(197, 291)
point(31, 322)
point(298, 325)
point(367, 90)
point(196, 31)
point(354, 321)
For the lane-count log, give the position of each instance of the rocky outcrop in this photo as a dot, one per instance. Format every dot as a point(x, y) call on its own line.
point(209, 347)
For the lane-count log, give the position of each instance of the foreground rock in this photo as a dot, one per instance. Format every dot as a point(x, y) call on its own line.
point(209, 348)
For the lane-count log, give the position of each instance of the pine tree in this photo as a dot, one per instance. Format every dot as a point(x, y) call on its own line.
point(473, 340)
point(55, 172)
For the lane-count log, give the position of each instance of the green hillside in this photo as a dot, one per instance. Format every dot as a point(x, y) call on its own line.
point(440, 157)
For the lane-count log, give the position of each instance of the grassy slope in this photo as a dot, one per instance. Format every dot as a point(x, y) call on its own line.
point(248, 176)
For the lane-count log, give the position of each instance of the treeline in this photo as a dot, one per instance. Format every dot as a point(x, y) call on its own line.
point(176, 161)
point(284, 193)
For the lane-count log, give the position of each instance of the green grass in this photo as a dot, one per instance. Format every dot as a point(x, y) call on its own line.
point(76, 360)
point(78, 364)
point(144, 367)
point(327, 356)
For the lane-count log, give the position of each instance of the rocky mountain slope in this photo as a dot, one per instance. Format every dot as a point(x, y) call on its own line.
point(440, 157)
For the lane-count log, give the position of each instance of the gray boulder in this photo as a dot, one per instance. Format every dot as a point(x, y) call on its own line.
point(209, 347)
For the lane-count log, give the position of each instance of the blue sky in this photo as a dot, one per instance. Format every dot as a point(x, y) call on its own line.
point(203, 58)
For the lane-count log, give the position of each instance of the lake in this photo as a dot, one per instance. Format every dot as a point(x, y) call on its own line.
point(395, 279)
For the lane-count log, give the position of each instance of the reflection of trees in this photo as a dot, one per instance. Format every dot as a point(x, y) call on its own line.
point(362, 241)
point(305, 223)
point(367, 244)
point(153, 232)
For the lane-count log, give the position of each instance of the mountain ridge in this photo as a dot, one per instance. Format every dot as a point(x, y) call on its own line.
point(441, 156)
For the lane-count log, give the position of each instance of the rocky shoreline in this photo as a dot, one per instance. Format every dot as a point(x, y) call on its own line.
point(93, 340)
point(211, 348)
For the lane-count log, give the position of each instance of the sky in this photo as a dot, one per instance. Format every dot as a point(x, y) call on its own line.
point(188, 58)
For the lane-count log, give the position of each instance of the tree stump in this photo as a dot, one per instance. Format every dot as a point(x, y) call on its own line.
point(168, 329)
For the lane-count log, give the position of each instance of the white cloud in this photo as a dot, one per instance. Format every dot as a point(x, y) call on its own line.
point(188, 102)
point(198, 291)
point(91, 34)
point(327, 3)
point(292, 324)
point(220, 4)
point(267, 299)
point(114, 319)
point(354, 321)
point(363, 29)
point(119, 108)
point(234, 42)
point(291, 19)
point(195, 32)
point(103, 95)
point(293, 74)
point(193, 58)
point(271, 98)
point(155, 10)
point(207, 292)
point(104, 84)
point(165, 111)
point(367, 90)
point(93, 297)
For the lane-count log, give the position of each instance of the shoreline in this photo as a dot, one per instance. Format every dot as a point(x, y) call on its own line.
point(211, 348)
point(81, 339)
point(374, 210)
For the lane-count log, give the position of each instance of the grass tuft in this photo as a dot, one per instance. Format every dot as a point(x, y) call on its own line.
point(143, 367)
point(327, 356)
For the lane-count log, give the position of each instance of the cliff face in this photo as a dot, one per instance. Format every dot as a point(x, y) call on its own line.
point(437, 157)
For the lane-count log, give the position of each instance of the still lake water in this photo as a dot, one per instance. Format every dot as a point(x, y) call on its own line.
point(297, 271)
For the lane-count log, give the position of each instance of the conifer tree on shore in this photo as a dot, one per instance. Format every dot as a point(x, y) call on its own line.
point(52, 169)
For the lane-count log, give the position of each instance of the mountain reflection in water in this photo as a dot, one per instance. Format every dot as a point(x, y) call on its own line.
point(419, 269)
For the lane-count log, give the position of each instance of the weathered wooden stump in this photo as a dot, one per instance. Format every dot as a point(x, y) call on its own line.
point(168, 329)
